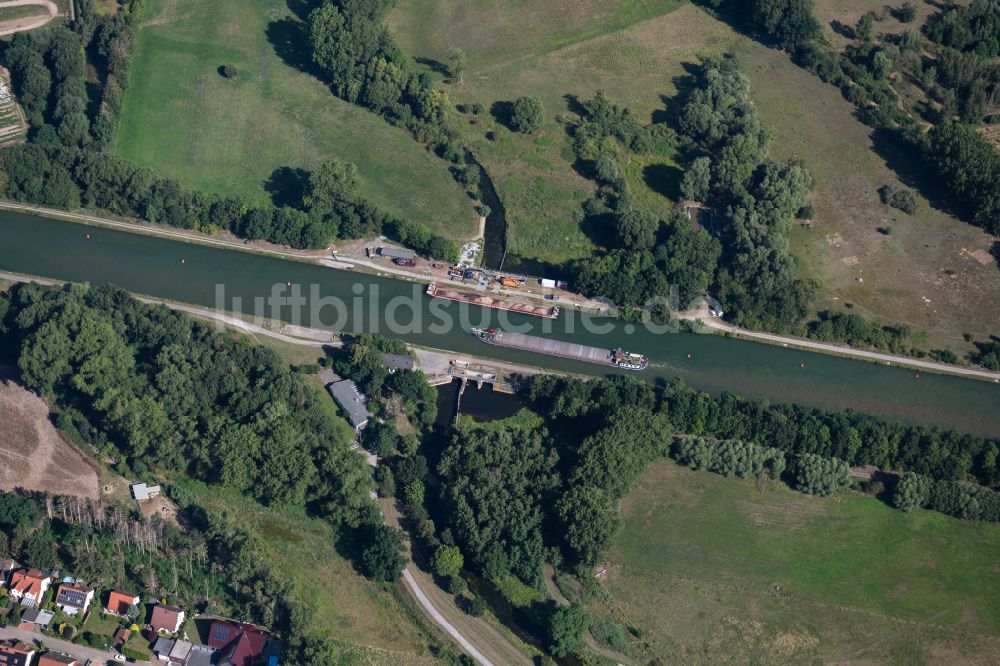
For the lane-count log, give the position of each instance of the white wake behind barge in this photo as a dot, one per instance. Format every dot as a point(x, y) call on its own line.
point(616, 358)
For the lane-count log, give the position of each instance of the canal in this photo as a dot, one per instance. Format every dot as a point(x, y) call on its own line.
point(195, 274)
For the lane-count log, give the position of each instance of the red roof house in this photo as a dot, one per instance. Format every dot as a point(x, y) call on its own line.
point(166, 619)
point(238, 643)
point(119, 603)
point(28, 586)
point(15, 653)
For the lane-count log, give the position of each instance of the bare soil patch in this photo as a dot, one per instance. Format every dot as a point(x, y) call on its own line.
point(33, 455)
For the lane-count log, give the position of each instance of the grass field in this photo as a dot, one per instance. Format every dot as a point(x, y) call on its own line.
point(714, 571)
point(932, 272)
point(184, 119)
point(365, 620)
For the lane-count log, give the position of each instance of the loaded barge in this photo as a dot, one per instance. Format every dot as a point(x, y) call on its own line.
point(547, 311)
point(616, 358)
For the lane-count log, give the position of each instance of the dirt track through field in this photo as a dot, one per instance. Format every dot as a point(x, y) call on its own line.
point(32, 453)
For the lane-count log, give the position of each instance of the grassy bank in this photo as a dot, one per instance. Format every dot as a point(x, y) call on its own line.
point(714, 569)
point(188, 122)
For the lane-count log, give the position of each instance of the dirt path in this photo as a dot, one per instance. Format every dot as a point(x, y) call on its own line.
point(478, 638)
point(27, 22)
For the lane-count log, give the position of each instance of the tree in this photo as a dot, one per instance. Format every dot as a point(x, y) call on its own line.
point(382, 558)
point(818, 475)
point(697, 179)
point(864, 28)
point(456, 64)
point(527, 115)
point(567, 626)
point(229, 71)
point(907, 13)
point(447, 561)
point(591, 522)
point(910, 493)
point(637, 229)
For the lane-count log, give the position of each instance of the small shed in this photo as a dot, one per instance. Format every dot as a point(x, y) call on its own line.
point(142, 492)
point(396, 253)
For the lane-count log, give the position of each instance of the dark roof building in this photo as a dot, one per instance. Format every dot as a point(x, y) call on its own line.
point(399, 362)
point(352, 401)
point(15, 653)
point(177, 652)
point(167, 619)
point(396, 253)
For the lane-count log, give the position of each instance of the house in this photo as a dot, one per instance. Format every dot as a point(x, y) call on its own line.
point(119, 603)
point(399, 362)
point(36, 619)
point(28, 586)
point(15, 653)
point(141, 492)
point(58, 659)
point(238, 643)
point(73, 598)
point(177, 652)
point(352, 401)
point(166, 619)
point(396, 253)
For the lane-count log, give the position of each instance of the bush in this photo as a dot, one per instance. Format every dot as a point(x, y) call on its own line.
point(526, 115)
point(610, 634)
point(822, 476)
point(457, 585)
point(566, 627)
point(447, 561)
point(474, 605)
point(902, 199)
point(229, 71)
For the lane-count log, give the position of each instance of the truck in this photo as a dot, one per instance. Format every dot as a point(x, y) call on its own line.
point(401, 261)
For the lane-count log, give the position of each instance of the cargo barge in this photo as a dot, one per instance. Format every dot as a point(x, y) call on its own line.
point(616, 358)
point(482, 300)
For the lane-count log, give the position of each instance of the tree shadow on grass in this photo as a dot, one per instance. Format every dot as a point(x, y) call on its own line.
point(904, 159)
point(664, 179)
point(435, 66)
point(502, 112)
point(286, 186)
point(302, 8)
point(291, 42)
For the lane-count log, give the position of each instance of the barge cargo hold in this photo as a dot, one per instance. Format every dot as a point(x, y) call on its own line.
point(616, 358)
point(547, 311)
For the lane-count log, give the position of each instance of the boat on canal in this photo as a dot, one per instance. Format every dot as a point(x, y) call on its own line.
point(616, 358)
point(434, 290)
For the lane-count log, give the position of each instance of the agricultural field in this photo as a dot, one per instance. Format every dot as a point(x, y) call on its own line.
point(932, 271)
point(367, 621)
point(33, 455)
point(713, 570)
point(188, 122)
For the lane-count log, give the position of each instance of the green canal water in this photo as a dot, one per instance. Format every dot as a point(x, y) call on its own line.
point(153, 266)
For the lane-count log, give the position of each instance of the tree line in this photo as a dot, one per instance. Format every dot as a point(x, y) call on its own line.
point(68, 161)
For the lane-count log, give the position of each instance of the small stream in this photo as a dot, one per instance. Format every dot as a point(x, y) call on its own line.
point(495, 235)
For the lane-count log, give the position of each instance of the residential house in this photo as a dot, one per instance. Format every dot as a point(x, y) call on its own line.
point(238, 643)
point(16, 653)
point(58, 659)
point(177, 652)
point(120, 603)
point(36, 619)
point(141, 492)
point(73, 598)
point(28, 586)
point(352, 401)
point(166, 619)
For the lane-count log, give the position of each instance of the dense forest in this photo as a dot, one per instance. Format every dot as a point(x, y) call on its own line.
point(161, 393)
point(68, 161)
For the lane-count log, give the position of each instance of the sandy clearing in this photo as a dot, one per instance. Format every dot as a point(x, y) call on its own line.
point(33, 455)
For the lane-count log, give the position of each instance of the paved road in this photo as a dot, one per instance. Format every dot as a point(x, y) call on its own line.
point(27, 22)
point(905, 361)
point(81, 651)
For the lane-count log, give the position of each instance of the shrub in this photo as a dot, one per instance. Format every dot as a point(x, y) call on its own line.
point(474, 605)
point(457, 585)
point(229, 71)
point(447, 561)
point(902, 199)
point(610, 634)
point(526, 115)
point(822, 476)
